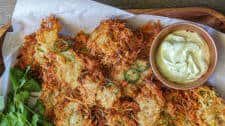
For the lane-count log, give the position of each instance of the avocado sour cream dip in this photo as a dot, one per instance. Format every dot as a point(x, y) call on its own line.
point(183, 56)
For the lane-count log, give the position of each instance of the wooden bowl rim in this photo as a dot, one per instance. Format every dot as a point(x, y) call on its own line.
point(184, 26)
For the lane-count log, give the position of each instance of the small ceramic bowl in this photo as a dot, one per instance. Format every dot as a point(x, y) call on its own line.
point(190, 27)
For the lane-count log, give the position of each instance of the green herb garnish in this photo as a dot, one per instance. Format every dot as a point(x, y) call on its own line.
point(62, 45)
point(17, 111)
point(132, 75)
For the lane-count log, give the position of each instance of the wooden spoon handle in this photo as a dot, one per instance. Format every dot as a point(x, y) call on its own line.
point(3, 29)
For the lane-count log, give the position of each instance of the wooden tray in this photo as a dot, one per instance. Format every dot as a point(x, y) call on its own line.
point(197, 14)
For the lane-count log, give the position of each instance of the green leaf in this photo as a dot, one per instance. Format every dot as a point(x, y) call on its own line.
point(15, 76)
point(12, 118)
point(32, 85)
point(20, 107)
point(39, 107)
point(46, 123)
point(4, 122)
point(24, 78)
point(17, 111)
point(22, 96)
point(18, 77)
point(11, 107)
point(24, 114)
point(21, 119)
point(2, 104)
point(35, 119)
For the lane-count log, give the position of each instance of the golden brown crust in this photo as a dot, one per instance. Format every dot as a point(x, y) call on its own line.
point(113, 42)
point(83, 79)
point(195, 105)
point(149, 31)
point(70, 113)
point(25, 56)
point(80, 45)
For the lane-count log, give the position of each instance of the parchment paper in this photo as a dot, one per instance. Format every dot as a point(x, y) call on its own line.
point(85, 15)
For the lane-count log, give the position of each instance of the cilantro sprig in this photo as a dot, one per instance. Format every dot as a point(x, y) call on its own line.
point(18, 111)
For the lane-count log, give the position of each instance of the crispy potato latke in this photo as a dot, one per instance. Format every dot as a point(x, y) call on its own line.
point(104, 78)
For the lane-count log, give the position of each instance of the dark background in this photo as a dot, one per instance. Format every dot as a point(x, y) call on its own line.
point(218, 5)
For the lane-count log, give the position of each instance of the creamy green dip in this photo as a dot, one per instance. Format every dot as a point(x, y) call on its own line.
point(183, 56)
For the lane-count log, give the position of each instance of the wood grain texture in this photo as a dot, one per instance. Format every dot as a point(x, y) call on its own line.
point(146, 4)
point(196, 14)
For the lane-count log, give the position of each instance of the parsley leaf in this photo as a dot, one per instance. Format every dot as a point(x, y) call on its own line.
point(15, 76)
point(35, 119)
point(17, 111)
point(32, 85)
point(1, 103)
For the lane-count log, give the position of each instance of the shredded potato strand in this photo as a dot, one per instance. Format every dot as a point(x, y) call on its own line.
point(84, 83)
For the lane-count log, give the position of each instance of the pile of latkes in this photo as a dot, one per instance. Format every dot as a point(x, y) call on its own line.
point(104, 79)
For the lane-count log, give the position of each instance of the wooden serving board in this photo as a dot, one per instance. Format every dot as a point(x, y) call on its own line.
point(197, 14)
